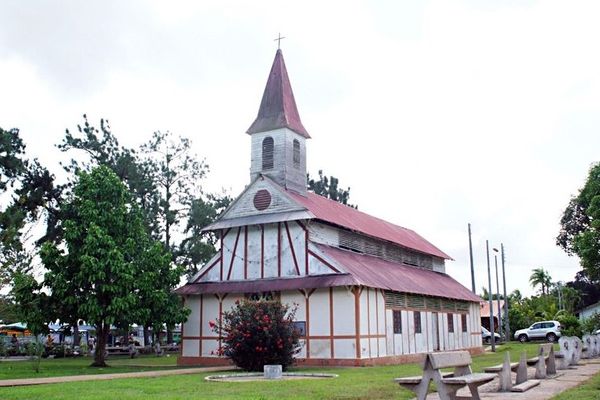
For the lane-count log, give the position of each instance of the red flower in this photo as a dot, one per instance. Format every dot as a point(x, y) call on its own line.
point(211, 324)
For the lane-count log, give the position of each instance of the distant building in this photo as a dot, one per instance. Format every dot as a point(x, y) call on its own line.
point(588, 311)
point(368, 291)
point(485, 314)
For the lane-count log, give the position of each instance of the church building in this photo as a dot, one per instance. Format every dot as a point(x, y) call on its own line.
point(368, 291)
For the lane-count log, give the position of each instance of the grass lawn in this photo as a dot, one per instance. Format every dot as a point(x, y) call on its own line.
point(80, 366)
point(589, 390)
point(353, 383)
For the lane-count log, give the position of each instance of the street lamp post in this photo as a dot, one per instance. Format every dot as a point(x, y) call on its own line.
point(498, 292)
point(506, 319)
point(492, 337)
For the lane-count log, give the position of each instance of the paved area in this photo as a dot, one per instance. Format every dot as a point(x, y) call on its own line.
point(565, 379)
point(102, 377)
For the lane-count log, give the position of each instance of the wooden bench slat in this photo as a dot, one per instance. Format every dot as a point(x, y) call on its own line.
point(450, 359)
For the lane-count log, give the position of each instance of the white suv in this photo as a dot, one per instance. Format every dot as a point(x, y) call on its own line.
point(549, 330)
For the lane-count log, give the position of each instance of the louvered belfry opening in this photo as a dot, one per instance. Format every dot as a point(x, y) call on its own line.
point(268, 149)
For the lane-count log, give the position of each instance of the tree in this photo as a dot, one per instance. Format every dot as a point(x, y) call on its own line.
point(96, 267)
point(540, 277)
point(328, 187)
point(580, 225)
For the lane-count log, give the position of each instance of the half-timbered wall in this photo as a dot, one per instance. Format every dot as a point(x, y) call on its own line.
point(332, 332)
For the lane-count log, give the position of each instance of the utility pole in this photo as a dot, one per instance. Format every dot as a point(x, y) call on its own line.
point(498, 292)
point(471, 257)
point(506, 320)
point(492, 338)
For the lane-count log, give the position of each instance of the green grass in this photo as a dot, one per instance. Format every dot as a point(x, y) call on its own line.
point(80, 366)
point(353, 383)
point(586, 391)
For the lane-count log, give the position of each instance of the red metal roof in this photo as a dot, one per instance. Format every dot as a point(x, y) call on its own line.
point(265, 285)
point(382, 274)
point(336, 213)
point(278, 107)
point(485, 308)
point(359, 269)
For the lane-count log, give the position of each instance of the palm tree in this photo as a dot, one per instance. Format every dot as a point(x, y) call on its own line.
point(540, 277)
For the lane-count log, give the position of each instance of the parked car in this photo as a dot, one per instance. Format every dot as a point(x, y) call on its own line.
point(486, 336)
point(548, 330)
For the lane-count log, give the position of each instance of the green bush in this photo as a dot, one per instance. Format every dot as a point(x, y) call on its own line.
point(258, 333)
point(591, 324)
point(569, 325)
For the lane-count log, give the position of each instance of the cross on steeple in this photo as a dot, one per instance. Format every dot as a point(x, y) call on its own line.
point(279, 37)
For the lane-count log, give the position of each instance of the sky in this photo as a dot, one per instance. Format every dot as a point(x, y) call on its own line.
point(436, 114)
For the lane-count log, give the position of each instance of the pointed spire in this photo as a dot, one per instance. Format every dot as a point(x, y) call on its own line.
point(278, 107)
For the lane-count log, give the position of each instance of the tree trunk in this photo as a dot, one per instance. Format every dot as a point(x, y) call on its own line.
point(76, 337)
point(169, 335)
point(146, 336)
point(102, 330)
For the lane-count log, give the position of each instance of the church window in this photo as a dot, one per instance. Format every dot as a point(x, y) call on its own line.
point(397, 321)
point(417, 316)
point(296, 153)
point(463, 322)
point(450, 322)
point(300, 327)
point(267, 153)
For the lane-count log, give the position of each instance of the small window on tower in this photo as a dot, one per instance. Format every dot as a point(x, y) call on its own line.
point(296, 153)
point(267, 153)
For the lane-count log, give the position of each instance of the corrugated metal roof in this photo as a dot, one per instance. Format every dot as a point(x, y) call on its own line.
point(485, 308)
point(348, 217)
point(382, 274)
point(278, 106)
point(265, 285)
point(359, 269)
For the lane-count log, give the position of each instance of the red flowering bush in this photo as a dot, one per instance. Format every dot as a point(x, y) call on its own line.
point(258, 333)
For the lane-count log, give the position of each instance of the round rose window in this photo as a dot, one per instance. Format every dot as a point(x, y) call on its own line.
point(262, 199)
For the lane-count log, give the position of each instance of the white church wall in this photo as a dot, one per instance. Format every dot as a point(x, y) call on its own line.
point(345, 348)
point(271, 251)
point(319, 312)
point(343, 312)
point(192, 325)
point(191, 348)
point(364, 314)
point(210, 312)
point(254, 251)
point(320, 348)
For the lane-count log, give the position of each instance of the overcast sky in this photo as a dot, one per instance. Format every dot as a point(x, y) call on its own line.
point(435, 113)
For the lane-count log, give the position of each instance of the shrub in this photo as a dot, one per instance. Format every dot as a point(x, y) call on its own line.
point(258, 333)
point(591, 324)
point(569, 325)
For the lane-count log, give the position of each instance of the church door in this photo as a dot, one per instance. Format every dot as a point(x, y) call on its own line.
point(435, 333)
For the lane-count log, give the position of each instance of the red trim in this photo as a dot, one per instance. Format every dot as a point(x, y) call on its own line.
point(331, 341)
point(237, 238)
point(302, 225)
point(287, 230)
point(377, 318)
point(221, 258)
point(262, 251)
point(306, 251)
point(245, 252)
point(323, 261)
point(307, 304)
point(369, 319)
point(201, 318)
point(208, 269)
point(357, 293)
point(279, 249)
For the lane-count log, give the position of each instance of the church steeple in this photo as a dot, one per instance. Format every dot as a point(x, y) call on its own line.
point(278, 106)
point(278, 136)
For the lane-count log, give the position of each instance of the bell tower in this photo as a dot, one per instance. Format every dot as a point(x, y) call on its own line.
point(278, 147)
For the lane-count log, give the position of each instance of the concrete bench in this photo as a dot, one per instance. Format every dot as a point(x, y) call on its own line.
point(447, 384)
point(504, 374)
point(545, 362)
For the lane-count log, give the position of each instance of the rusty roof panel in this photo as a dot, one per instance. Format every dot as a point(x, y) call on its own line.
point(265, 285)
point(379, 273)
point(278, 106)
point(350, 218)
